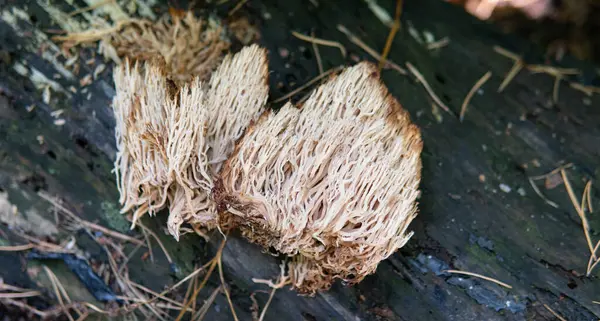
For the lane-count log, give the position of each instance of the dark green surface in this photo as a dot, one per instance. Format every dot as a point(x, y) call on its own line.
point(463, 223)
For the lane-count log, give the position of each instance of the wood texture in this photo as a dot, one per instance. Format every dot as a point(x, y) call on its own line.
point(464, 223)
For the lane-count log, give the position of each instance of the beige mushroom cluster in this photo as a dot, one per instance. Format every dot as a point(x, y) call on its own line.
point(172, 140)
point(332, 185)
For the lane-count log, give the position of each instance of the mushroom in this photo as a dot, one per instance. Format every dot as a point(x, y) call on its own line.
point(332, 185)
point(172, 139)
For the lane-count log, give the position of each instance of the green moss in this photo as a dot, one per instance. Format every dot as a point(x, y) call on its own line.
point(114, 218)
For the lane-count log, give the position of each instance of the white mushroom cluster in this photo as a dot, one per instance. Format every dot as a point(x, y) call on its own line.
point(332, 185)
point(173, 139)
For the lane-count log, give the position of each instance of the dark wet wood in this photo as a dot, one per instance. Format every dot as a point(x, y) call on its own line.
point(463, 224)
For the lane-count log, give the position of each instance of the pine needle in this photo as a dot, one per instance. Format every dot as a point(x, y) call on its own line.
point(213, 264)
point(308, 84)
point(579, 210)
point(16, 295)
point(58, 294)
point(473, 90)
point(317, 54)
point(162, 246)
point(355, 40)
point(199, 316)
point(322, 42)
point(558, 316)
point(517, 66)
point(487, 278)
point(427, 87)
point(87, 224)
point(17, 248)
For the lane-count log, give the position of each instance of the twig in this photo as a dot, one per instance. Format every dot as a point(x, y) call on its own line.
point(308, 84)
point(355, 40)
point(317, 54)
point(558, 316)
point(320, 41)
point(17, 248)
point(425, 84)
point(473, 90)
point(481, 277)
point(391, 35)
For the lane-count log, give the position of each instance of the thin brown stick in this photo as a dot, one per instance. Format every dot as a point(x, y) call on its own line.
point(506, 53)
point(148, 244)
point(355, 40)
point(480, 276)
point(24, 306)
point(517, 66)
point(17, 248)
point(224, 286)
point(237, 7)
point(588, 90)
point(43, 245)
point(584, 221)
point(591, 265)
point(283, 280)
point(16, 295)
point(57, 293)
point(558, 316)
point(552, 172)
point(425, 84)
point(199, 316)
point(391, 35)
point(308, 84)
point(557, 80)
point(213, 264)
point(588, 192)
point(88, 224)
point(317, 54)
point(162, 246)
point(158, 295)
point(473, 90)
point(539, 193)
point(322, 42)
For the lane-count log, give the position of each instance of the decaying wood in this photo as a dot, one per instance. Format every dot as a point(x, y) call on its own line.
point(478, 212)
